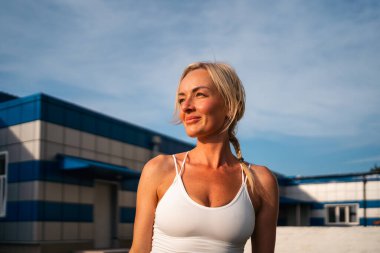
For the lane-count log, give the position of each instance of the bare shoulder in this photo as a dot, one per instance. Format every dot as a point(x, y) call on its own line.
point(266, 186)
point(264, 175)
point(157, 167)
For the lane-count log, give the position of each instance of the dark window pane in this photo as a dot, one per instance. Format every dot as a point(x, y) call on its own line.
point(331, 213)
point(352, 213)
point(342, 214)
point(2, 164)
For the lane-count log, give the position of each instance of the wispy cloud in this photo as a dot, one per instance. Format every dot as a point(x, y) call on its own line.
point(372, 159)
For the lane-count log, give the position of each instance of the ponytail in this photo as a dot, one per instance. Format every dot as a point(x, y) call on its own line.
point(248, 173)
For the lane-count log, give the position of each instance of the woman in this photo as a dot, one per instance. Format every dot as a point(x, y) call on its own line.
point(207, 199)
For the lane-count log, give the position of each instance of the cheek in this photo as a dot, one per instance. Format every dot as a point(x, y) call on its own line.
point(181, 115)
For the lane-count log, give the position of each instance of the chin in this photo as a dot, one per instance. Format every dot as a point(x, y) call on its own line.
point(192, 134)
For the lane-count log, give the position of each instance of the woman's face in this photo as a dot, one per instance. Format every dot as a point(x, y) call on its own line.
point(202, 109)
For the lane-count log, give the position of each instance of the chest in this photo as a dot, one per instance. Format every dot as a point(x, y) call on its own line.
point(212, 189)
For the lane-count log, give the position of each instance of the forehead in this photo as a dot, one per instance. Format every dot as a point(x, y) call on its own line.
point(198, 77)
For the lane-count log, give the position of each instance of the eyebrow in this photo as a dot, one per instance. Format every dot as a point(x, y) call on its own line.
point(195, 89)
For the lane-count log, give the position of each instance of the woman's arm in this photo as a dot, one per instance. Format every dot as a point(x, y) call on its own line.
point(264, 236)
point(146, 205)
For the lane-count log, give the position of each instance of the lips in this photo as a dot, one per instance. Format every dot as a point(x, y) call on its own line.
point(192, 119)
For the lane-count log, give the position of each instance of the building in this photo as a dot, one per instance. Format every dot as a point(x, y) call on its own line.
point(69, 175)
point(330, 200)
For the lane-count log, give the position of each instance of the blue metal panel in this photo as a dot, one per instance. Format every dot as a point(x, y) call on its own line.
point(127, 214)
point(55, 113)
point(316, 205)
point(3, 114)
point(76, 163)
point(45, 171)
point(28, 112)
point(52, 211)
point(370, 204)
point(13, 116)
point(130, 185)
point(28, 171)
point(88, 123)
point(86, 213)
point(48, 211)
point(317, 221)
point(370, 221)
point(102, 127)
point(117, 132)
point(73, 119)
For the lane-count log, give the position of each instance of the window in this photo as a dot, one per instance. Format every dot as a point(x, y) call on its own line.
point(342, 214)
point(3, 182)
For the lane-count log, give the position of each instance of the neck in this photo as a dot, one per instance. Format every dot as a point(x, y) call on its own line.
point(214, 152)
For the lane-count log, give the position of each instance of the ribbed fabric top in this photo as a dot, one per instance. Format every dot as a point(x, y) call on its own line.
point(182, 225)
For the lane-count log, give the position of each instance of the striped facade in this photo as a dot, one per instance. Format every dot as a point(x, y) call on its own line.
point(343, 199)
point(72, 175)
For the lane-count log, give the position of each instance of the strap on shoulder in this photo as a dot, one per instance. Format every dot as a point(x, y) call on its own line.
point(183, 163)
point(175, 164)
point(246, 178)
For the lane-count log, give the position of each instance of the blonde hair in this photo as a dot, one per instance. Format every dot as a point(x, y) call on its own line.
point(231, 89)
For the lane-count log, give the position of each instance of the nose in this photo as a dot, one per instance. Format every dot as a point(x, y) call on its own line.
point(187, 105)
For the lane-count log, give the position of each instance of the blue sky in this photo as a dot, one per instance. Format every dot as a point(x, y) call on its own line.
point(311, 69)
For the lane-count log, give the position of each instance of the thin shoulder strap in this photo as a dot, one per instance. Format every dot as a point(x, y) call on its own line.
point(175, 164)
point(183, 163)
point(245, 179)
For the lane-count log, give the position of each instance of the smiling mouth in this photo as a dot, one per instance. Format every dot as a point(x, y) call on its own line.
point(192, 120)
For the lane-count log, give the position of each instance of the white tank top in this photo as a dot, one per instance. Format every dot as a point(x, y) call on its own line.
point(182, 225)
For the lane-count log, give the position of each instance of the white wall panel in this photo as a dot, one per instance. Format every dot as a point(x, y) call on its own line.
point(87, 141)
point(373, 190)
point(142, 154)
point(27, 131)
point(52, 231)
point(102, 157)
point(87, 195)
point(125, 230)
point(30, 150)
point(72, 137)
point(116, 161)
point(9, 231)
point(127, 198)
point(50, 150)
point(30, 191)
point(3, 136)
point(373, 213)
point(70, 231)
point(87, 154)
point(116, 148)
point(14, 134)
point(54, 133)
point(53, 191)
point(72, 151)
point(25, 231)
point(128, 151)
point(14, 152)
point(71, 193)
point(102, 145)
point(86, 231)
point(12, 191)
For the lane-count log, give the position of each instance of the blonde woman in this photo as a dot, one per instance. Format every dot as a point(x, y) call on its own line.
point(207, 199)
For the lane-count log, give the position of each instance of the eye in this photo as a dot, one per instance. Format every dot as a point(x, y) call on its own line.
point(200, 94)
point(180, 100)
